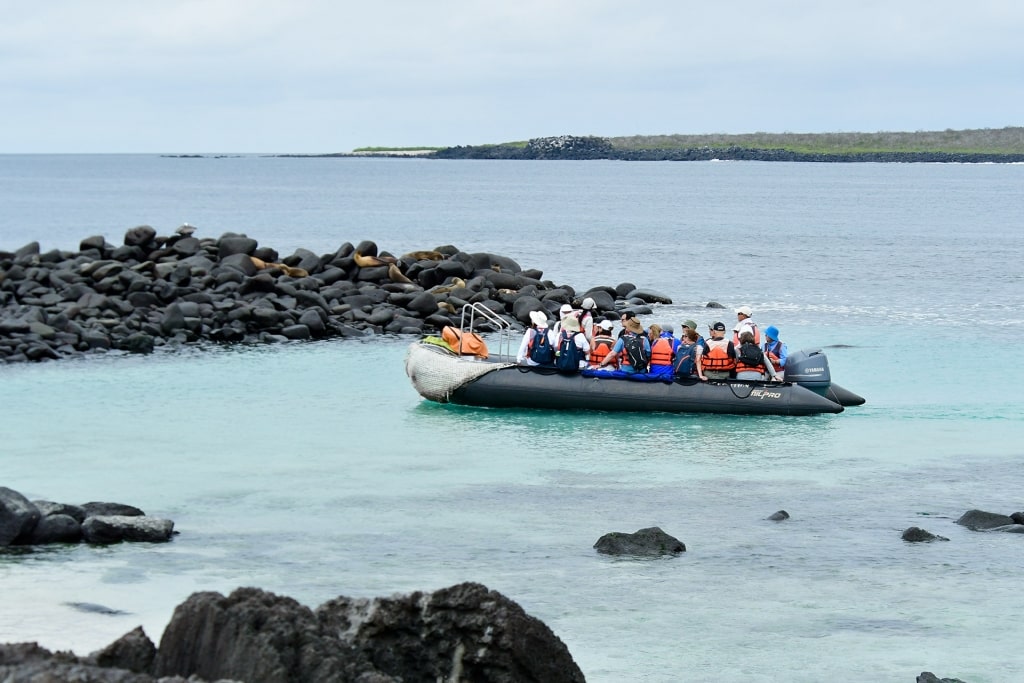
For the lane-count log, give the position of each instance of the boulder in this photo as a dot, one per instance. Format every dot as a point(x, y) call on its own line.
point(139, 236)
point(235, 244)
point(97, 508)
point(929, 677)
point(979, 520)
point(648, 542)
point(779, 516)
point(107, 529)
point(48, 507)
point(918, 535)
point(649, 296)
point(133, 651)
point(18, 516)
point(462, 633)
point(55, 529)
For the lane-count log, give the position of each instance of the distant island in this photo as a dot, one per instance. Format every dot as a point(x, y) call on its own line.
point(982, 145)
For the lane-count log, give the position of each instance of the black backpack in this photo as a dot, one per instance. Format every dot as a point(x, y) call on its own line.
point(639, 357)
point(541, 350)
point(750, 355)
point(569, 355)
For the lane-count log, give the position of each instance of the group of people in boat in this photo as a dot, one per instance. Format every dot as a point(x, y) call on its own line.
point(577, 341)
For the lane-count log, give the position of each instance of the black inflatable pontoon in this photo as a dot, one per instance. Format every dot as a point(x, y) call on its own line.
point(442, 376)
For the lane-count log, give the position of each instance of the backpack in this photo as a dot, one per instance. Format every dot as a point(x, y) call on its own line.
point(541, 350)
point(569, 355)
point(639, 357)
point(684, 363)
point(750, 355)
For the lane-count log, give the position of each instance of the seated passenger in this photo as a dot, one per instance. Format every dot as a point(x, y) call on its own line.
point(663, 351)
point(686, 353)
point(564, 312)
point(775, 350)
point(690, 325)
point(573, 349)
point(632, 349)
point(601, 345)
point(716, 357)
point(536, 348)
point(745, 322)
point(750, 359)
point(587, 321)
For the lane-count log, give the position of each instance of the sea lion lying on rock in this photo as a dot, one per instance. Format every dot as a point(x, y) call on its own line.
point(290, 271)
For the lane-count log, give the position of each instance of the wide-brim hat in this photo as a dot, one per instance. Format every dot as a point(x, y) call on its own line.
point(539, 318)
point(571, 324)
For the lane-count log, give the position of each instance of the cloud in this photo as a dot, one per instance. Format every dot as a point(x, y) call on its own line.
point(314, 75)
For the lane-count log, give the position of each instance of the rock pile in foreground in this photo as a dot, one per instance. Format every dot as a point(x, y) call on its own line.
point(462, 633)
point(38, 522)
point(154, 291)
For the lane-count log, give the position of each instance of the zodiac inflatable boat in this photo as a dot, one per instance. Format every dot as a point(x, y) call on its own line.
point(448, 373)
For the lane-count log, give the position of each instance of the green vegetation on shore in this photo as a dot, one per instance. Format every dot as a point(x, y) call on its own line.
point(976, 141)
point(375, 150)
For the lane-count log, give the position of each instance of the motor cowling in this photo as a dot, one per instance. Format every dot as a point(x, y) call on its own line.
point(809, 368)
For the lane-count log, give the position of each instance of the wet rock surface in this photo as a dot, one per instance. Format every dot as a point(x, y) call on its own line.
point(462, 633)
point(154, 292)
point(649, 542)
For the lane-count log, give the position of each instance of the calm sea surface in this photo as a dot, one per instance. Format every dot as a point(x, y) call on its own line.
point(314, 470)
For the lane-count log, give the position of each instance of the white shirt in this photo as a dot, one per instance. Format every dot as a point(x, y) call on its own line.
point(523, 355)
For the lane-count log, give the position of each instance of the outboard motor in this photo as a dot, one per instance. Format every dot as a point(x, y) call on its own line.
point(809, 368)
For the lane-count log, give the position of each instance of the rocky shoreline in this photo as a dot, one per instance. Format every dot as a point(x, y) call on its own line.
point(462, 633)
point(581, 148)
point(164, 291)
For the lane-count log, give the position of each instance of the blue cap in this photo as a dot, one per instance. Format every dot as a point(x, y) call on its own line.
point(772, 331)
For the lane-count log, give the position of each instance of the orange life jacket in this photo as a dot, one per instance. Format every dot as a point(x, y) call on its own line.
point(717, 356)
point(599, 349)
point(464, 343)
point(661, 351)
point(743, 366)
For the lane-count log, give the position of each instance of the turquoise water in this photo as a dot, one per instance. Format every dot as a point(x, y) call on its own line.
point(315, 470)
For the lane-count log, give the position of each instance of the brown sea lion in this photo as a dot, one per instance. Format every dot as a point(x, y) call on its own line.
point(445, 306)
point(396, 275)
point(259, 263)
point(366, 261)
point(424, 256)
point(371, 261)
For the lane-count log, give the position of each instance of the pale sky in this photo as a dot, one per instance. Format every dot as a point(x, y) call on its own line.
point(311, 76)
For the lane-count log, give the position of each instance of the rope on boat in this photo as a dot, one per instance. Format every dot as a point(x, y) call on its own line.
point(436, 372)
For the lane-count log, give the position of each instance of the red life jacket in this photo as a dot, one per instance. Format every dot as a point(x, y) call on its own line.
point(717, 355)
point(599, 349)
